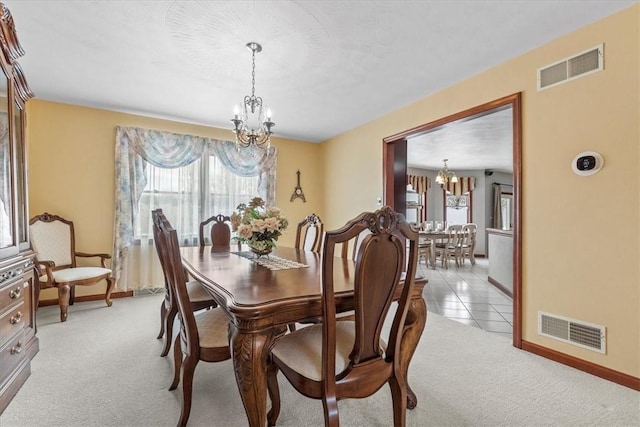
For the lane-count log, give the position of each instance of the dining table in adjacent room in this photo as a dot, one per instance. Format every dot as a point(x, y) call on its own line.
point(262, 296)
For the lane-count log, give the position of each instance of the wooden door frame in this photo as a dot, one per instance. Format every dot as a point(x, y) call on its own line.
point(394, 173)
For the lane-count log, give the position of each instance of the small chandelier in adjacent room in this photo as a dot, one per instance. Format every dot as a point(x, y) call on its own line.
point(445, 175)
point(251, 125)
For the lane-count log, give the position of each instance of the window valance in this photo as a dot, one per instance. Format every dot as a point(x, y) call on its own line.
point(464, 185)
point(419, 183)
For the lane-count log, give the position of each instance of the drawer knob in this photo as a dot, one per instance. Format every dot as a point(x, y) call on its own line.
point(16, 319)
point(15, 293)
point(17, 349)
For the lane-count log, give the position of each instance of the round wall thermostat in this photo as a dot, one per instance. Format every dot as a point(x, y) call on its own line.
point(587, 163)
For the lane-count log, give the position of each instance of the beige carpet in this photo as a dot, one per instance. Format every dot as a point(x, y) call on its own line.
point(102, 368)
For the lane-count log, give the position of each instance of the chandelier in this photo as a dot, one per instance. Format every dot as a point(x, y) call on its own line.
point(251, 125)
point(445, 175)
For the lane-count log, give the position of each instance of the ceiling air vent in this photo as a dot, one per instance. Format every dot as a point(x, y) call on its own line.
point(582, 334)
point(582, 64)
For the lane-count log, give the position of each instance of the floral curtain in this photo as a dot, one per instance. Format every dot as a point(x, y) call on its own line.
point(136, 147)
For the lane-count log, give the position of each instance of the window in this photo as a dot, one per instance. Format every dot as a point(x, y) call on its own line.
point(190, 194)
point(458, 208)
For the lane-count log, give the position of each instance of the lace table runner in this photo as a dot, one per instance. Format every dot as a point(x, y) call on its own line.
point(272, 262)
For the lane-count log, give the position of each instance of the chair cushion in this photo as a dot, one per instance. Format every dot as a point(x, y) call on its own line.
point(302, 350)
point(213, 328)
point(197, 292)
point(78, 273)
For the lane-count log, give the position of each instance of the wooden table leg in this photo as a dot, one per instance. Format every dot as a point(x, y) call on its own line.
point(414, 325)
point(249, 352)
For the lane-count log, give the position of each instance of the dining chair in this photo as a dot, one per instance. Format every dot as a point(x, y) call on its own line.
point(468, 243)
point(220, 234)
point(424, 250)
point(309, 233)
point(354, 243)
point(199, 299)
point(337, 360)
point(203, 335)
point(53, 239)
point(449, 246)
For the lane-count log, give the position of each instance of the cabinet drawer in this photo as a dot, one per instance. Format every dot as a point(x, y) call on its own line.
point(12, 321)
point(11, 354)
point(12, 294)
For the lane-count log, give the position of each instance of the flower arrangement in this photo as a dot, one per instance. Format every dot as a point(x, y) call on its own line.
point(258, 226)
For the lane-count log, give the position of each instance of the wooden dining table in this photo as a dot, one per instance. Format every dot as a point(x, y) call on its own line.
point(262, 302)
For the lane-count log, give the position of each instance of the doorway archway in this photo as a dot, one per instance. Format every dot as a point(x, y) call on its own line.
point(395, 182)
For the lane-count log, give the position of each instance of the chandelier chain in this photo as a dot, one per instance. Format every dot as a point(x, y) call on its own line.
point(253, 74)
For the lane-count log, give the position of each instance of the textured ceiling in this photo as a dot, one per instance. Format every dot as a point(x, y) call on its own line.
point(484, 142)
point(326, 66)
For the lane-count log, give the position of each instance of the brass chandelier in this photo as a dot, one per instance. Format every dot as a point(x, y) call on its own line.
point(445, 175)
point(251, 125)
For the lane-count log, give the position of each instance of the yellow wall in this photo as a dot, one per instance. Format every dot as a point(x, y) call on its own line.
point(581, 235)
point(71, 171)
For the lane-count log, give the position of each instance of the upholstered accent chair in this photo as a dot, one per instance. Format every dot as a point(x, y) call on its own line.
point(335, 360)
point(53, 240)
point(203, 335)
point(199, 299)
point(309, 233)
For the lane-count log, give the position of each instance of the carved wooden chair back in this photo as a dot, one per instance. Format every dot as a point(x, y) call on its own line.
point(53, 240)
point(198, 297)
point(351, 248)
point(220, 235)
point(352, 360)
point(309, 233)
point(202, 336)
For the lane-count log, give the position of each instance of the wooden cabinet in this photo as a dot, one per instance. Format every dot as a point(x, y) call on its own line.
point(18, 341)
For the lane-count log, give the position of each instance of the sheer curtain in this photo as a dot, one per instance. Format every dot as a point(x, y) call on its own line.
point(142, 156)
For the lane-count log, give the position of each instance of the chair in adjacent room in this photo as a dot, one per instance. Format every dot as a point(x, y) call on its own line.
point(424, 250)
point(449, 246)
point(220, 235)
point(203, 335)
point(468, 243)
point(336, 360)
point(53, 240)
point(199, 299)
point(309, 233)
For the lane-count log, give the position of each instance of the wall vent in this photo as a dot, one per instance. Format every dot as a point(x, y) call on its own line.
point(576, 332)
point(579, 65)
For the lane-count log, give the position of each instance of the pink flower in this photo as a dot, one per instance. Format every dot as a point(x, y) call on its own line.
point(244, 231)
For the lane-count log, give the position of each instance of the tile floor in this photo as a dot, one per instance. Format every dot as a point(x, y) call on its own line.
point(464, 295)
